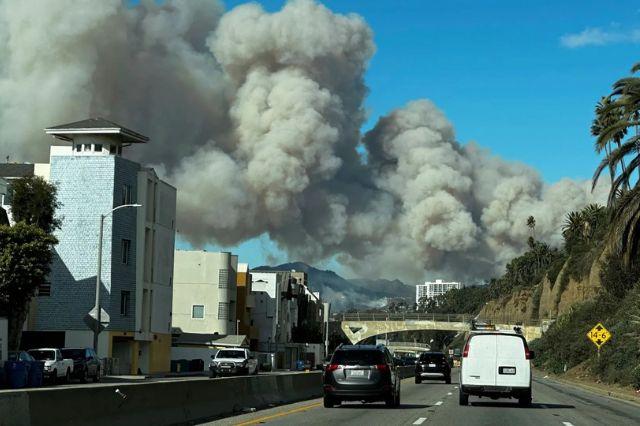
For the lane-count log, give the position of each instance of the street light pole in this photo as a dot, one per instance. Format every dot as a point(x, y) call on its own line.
point(96, 330)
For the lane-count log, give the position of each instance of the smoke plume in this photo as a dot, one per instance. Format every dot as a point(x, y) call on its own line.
point(256, 118)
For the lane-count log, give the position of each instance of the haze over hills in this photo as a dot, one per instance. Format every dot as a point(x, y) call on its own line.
point(345, 293)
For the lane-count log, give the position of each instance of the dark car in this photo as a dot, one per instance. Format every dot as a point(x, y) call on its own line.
point(364, 373)
point(433, 365)
point(86, 363)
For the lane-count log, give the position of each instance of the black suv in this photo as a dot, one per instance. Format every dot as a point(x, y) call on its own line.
point(364, 373)
point(86, 363)
point(433, 365)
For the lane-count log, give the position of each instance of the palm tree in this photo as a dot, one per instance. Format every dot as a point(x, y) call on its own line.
point(615, 115)
point(531, 224)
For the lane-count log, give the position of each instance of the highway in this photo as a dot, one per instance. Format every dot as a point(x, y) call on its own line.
point(434, 403)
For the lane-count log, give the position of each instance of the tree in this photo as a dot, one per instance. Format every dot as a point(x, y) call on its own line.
point(531, 224)
point(4, 219)
point(33, 201)
point(26, 252)
point(614, 118)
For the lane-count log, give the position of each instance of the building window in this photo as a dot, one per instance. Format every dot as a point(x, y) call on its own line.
point(197, 312)
point(125, 301)
point(223, 311)
point(223, 278)
point(87, 147)
point(112, 149)
point(78, 147)
point(126, 248)
point(127, 197)
point(97, 147)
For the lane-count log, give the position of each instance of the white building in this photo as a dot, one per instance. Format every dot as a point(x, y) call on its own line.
point(204, 292)
point(431, 289)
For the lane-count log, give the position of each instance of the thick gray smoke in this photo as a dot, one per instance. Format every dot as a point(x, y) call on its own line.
point(256, 118)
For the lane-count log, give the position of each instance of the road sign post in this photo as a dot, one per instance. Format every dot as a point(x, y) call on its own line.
point(599, 335)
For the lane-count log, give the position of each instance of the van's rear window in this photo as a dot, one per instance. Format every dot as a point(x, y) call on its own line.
point(358, 358)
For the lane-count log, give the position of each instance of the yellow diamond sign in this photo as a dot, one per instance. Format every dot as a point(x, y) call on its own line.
point(599, 335)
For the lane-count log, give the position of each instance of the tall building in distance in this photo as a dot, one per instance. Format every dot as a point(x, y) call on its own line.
point(92, 178)
point(431, 289)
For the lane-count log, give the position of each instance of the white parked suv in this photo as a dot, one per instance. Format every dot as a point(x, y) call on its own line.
point(496, 364)
point(55, 367)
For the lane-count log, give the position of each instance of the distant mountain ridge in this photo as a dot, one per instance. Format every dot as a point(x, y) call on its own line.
point(345, 293)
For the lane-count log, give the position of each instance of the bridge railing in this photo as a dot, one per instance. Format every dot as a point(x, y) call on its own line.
point(408, 345)
point(408, 316)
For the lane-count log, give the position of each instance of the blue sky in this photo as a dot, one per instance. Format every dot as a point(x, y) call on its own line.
point(520, 78)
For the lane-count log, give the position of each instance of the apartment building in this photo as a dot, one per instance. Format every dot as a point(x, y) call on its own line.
point(205, 292)
point(431, 289)
point(93, 178)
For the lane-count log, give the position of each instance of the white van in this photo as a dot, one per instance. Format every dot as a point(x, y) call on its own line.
point(496, 364)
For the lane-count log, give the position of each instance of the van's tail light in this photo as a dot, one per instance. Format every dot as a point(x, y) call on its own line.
point(332, 367)
point(527, 353)
point(382, 367)
point(465, 352)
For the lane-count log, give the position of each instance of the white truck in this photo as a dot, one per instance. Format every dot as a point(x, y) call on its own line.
point(55, 367)
point(231, 362)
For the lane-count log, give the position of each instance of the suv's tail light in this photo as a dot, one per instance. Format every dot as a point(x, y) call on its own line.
point(465, 352)
point(382, 367)
point(332, 367)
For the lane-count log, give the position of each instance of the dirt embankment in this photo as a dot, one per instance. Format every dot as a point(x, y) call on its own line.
point(546, 299)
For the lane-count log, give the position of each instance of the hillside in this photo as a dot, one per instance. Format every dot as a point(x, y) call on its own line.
point(345, 293)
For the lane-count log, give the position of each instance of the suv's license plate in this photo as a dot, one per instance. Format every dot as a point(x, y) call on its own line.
point(432, 365)
point(356, 372)
point(507, 370)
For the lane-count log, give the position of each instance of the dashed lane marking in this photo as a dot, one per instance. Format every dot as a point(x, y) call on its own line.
point(438, 403)
point(567, 423)
point(449, 393)
point(455, 387)
point(420, 421)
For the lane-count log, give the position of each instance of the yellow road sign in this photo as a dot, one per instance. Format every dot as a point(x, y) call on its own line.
point(599, 335)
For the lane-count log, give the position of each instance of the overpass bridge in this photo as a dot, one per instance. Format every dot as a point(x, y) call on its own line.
point(408, 347)
point(358, 326)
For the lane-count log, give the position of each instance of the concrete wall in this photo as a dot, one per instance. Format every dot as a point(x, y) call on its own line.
point(159, 403)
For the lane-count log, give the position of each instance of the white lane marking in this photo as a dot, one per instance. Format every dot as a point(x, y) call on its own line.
point(449, 393)
point(438, 403)
point(455, 387)
point(420, 421)
point(567, 424)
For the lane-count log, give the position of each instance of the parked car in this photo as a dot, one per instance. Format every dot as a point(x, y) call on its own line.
point(232, 361)
point(86, 363)
point(497, 365)
point(364, 373)
point(55, 366)
point(433, 365)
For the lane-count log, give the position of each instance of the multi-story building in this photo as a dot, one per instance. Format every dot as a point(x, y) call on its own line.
point(92, 178)
point(204, 292)
point(431, 289)
point(246, 302)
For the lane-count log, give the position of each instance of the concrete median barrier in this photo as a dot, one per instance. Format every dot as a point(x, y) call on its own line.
point(170, 402)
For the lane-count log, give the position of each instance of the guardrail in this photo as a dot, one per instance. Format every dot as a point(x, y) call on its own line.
point(415, 316)
point(408, 344)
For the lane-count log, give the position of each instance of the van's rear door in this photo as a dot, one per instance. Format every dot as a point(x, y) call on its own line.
point(513, 366)
point(479, 367)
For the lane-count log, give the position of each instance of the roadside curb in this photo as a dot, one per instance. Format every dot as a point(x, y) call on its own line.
point(610, 394)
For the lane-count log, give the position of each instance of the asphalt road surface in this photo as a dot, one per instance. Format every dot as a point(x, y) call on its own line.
point(435, 403)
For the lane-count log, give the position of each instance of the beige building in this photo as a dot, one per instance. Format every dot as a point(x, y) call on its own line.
point(205, 292)
point(245, 303)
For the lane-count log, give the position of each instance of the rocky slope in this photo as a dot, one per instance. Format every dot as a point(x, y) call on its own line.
point(546, 299)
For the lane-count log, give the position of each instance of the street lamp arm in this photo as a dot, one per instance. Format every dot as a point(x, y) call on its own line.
point(121, 207)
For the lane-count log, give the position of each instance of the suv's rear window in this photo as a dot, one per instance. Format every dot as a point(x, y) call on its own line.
point(359, 357)
point(431, 358)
